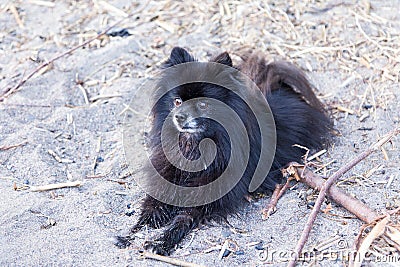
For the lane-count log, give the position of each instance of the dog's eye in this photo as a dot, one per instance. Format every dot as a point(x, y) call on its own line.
point(177, 102)
point(203, 105)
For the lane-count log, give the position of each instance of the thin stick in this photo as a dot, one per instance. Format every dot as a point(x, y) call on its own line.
point(177, 262)
point(353, 205)
point(277, 194)
point(54, 186)
point(98, 97)
point(12, 90)
point(13, 146)
point(58, 158)
point(84, 93)
point(42, 3)
point(14, 11)
point(318, 203)
point(271, 208)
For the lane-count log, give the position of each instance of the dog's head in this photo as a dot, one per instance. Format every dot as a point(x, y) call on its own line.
point(192, 104)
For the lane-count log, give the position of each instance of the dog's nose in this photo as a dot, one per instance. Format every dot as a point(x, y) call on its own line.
point(180, 117)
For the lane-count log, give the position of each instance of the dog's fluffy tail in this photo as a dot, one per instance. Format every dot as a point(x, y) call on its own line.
point(276, 75)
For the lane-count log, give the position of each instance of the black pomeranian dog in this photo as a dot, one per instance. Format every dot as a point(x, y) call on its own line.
point(299, 119)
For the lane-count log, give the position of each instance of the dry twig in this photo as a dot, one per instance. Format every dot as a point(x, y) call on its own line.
point(353, 205)
point(13, 146)
point(307, 229)
point(54, 186)
point(278, 192)
point(177, 262)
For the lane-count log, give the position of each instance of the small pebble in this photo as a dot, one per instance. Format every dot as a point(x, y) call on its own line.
point(239, 252)
point(120, 33)
point(130, 213)
point(367, 106)
point(226, 253)
point(259, 246)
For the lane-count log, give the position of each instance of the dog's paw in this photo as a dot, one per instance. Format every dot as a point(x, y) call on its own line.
point(122, 241)
point(157, 247)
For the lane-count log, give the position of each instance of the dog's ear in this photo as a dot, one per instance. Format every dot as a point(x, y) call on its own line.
point(178, 56)
point(223, 58)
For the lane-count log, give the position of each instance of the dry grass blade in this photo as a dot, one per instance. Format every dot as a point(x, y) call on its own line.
point(394, 234)
point(177, 262)
point(223, 249)
point(377, 231)
point(12, 146)
point(316, 155)
point(15, 13)
point(112, 9)
point(42, 3)
point(54, 186)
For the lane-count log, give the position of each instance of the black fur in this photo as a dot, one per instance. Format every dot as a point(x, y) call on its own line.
point(299, 118)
